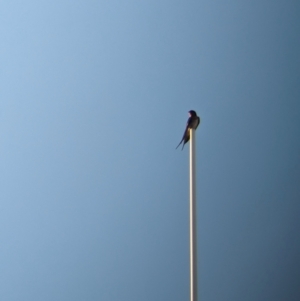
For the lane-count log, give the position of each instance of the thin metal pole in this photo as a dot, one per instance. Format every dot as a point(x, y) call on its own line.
point(193, 225)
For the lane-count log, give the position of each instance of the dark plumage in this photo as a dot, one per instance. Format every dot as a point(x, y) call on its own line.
point(192, 123)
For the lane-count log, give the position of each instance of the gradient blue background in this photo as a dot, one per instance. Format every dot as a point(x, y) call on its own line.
point(93, 196)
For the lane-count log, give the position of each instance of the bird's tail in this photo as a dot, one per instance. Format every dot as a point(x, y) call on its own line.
point(178, 144)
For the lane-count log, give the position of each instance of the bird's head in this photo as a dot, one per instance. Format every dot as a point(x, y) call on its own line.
point(192, 113)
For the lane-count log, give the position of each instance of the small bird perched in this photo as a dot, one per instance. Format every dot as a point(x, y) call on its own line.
point(192, 123)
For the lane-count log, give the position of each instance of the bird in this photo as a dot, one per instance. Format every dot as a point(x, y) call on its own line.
point(192, 123)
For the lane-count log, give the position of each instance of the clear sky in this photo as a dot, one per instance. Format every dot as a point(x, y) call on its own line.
point(94, 98)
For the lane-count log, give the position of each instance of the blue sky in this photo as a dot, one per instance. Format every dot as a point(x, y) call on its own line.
point(93, 195)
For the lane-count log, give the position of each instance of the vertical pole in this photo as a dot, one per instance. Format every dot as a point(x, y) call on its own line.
point(193, 233)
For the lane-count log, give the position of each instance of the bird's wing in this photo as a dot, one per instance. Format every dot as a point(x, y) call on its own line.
point(189, 122)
